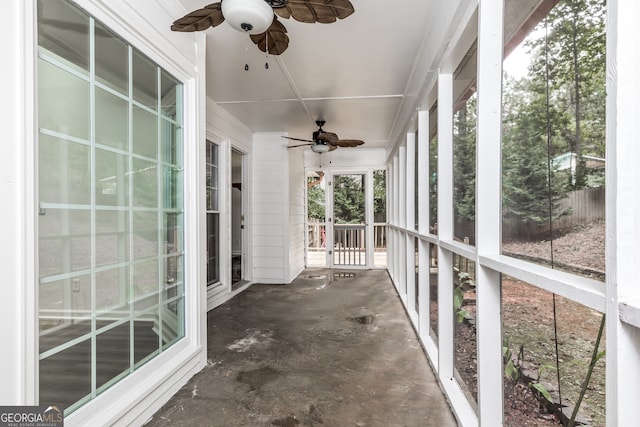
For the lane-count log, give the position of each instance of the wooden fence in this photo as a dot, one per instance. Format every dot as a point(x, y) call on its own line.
point(586, 206)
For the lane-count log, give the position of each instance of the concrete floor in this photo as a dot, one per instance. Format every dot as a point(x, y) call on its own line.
point(334, 348)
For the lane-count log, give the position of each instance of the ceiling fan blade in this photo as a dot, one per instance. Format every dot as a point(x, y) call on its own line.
point(349, 142)
point(201, 19)
point(332, 147)
point(275, 39)
point(299, 145)
point(329, 137)
point(310, 11)
point(297, 139)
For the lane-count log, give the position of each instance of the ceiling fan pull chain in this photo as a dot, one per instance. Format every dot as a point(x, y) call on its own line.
point(246, 63)
point(266, 46)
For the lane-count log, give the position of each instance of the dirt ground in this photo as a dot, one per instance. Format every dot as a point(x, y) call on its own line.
point(530, 332)
point(581, 247)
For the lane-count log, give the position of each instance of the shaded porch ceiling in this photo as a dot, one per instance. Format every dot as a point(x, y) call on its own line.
point(354, 73)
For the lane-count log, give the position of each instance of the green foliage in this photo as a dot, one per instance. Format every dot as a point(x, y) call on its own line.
point(315, 202)
point(348, 199)
point(539, 387)
point(380, 195)
point(458, 297)
point(464, 161)
point(433, 181)
point(558, 107)
point(528, 176)
point(595, 356)
point(511, 368)
point(542, 390)
point(574, 52)
point(464, 283)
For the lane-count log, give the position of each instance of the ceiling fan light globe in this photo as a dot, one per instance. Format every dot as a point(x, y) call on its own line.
point(248, 16)
point(320, 148)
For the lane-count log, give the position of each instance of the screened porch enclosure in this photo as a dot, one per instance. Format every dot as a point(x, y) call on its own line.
point(497, 228)
point(352, 242)
point(503, 204)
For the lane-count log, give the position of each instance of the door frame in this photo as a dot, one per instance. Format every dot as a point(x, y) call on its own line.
point(368, 217)
point(243, 219)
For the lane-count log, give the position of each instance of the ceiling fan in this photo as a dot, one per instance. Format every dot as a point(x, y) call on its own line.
point(257, 18)
point(325, 141)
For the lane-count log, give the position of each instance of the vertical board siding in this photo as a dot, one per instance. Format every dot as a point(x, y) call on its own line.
point(278, 206)
point(270, 210)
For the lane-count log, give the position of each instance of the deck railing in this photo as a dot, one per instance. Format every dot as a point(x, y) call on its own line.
point(317, 236)
point(349, 246)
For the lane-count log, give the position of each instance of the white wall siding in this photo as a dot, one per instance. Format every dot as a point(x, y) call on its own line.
point(297, 223)
point(270, 209)
point(226, 127)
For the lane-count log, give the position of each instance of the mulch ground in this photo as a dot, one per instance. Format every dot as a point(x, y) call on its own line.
point(528, 323)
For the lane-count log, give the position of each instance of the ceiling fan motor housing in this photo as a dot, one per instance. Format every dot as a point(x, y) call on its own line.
point(248, 16)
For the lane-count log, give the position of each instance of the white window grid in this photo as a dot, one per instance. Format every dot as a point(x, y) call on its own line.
point(164, 289)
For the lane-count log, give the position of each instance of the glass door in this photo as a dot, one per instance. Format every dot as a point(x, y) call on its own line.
point(347, 228)
point(238, 203)
point(316, 219)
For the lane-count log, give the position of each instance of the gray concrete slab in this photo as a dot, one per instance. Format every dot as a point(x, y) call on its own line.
point(333, 348)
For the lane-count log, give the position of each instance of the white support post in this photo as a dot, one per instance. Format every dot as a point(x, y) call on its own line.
point(424, 303)
point(446, 335)
point(201, 264)
point(369, 220)
point(396, 191)
point(410, 183)
point(423, 172)
point(488, 211)
point(402, 199)
point(410, 219)
point(410, 277)
point(402, 223)
point(396, 204)
point(445, 227)
point(389, 231)
point(623, 203)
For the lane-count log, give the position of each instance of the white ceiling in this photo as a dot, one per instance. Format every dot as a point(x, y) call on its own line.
point(353, 73)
